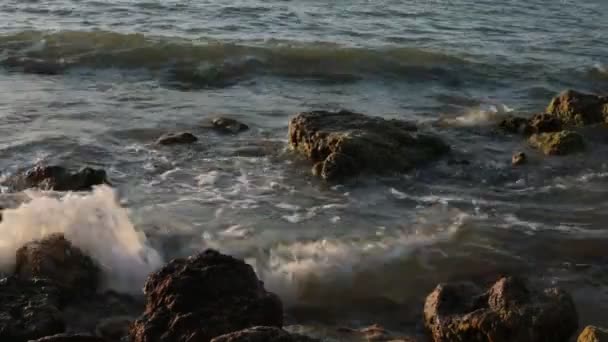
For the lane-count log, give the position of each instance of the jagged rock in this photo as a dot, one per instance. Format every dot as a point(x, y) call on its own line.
point(263, 334)
point(71, 338)
point(347, 143)
point(228, 125)
point(519, 158)
point(558, 143)
point(56, 178)
point(179, 138)
point(514, 124)
point(29, 309)
point(579, 109)
point(57, 259)
point(543, 123)
point(593, 334)
point(508, 311)
point(202, 297)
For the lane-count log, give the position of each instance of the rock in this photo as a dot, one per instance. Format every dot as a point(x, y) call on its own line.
point(34, 65)
point(375, 332)
point(57, 259)
point(514, 124)
point(262, 334)
point(71, 338)
point(228, 125)
point(56, 178)
point(558, 143)
point(543, 123)
point(114, 328)
point(202, 297)
point(29, 309)
point(593, 334)
point(508, 311)
point(179, 138)
point(348, 143)
point(579, 109)
point(518, 158)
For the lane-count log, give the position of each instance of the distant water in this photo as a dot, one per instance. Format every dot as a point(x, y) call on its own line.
point(96, 82)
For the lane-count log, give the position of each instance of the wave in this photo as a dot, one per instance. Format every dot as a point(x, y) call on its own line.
point(211, 62)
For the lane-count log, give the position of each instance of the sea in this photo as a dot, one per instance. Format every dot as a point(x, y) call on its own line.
point(96, 82)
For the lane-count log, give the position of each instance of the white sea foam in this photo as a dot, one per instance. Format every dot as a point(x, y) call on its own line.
point(95, 222)
point(486, 114)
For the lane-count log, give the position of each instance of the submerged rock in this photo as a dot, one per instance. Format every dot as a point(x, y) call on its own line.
point(343, 143)
point(57, 259)
point(29, 309)
point(508, 311)
point(543, 123)
point(262, 334)
point(202, 297)
point(514, 124)
point(228, 125)
point(34, 65)
point(71, 338)
point(579, 109)
point(56, 178)
point(558, 143)
point(519, 158)
point(593, 334)
point(179, 138)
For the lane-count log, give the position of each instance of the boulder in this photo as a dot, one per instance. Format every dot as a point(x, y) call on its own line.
point(202, 297)
point(543, 123)
point(579, 109)
point(346, 144)
point(508, 311)
point(514, 124)
point(228, 125)
point(518, 158)
point(57, 259)
point(71, 338)
point(29, 309)
point(56, 178)
point(558, 143)
point(593, 334)
point(262, 334)
point(180, 138)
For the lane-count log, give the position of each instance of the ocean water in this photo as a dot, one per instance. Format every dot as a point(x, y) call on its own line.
point(96, 82)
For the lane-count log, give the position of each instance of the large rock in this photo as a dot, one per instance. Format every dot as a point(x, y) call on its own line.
point(202, 297)
point(262, 334)
point(514, 124)
point(179, 138)
point(579, 109)
point(228, 125)
point(593, 334)
point(28, 309)
point(539, 123)
point(71, 338)
point(558, 143)
point(56, 178)
point(508, 311)
point(57, 259)
point(343, 143)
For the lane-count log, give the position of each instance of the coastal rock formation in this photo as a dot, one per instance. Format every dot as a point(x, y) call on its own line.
point(57, 259)
point(543, 123)
point(579, 109)
point(262, 334)
point(514, 124)
point(28, 309)
point(342, 144)
point(508, 311)
point(179, 138)
point(71, 338)
point(202, 297)
point(593, 334)
point(518, 158)
point(56, 178)
point(558, 143)
point(228, 125)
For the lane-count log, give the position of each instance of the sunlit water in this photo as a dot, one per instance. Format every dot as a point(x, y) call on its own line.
point(106, 78)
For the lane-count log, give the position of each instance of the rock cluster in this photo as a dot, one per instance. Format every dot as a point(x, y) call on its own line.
point(56, 178)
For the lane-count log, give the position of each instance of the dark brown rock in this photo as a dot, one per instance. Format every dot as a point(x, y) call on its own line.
point(57, 259)
point(543, 123)
point(375, 333)
point(558, 143)
point(519, 158)
point(202, 297)
point(579, 109)
point(514, 124)
point(508, 311)
point(180, 138)
point(228, 125)
point(71, 338)
point(348, 143)
point(29, 309)
point(262, 334)
point(56, 178)
point(593, 334)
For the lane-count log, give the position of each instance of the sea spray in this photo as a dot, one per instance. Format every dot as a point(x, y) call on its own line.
point(95, 222)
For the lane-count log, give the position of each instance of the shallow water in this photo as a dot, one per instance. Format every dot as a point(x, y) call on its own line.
point(101, 80)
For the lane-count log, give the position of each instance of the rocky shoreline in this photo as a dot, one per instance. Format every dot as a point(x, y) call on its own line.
point(53, 293)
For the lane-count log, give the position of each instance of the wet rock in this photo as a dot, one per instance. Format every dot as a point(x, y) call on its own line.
point(71, 338)
point(348, 143)
point(180, 138)
point(514, 124)
point(29, 309)
point(114, 328)
point(579, 109)
point(558, 143)
point(518, 158)
point(262, 334)
point(202, 297)
point(228, 125)
point(375, 332)
point(593, 334)
point(57, 259)
point(543, 123)
point(508, 311)
point(34, 65)
point(56, 178)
